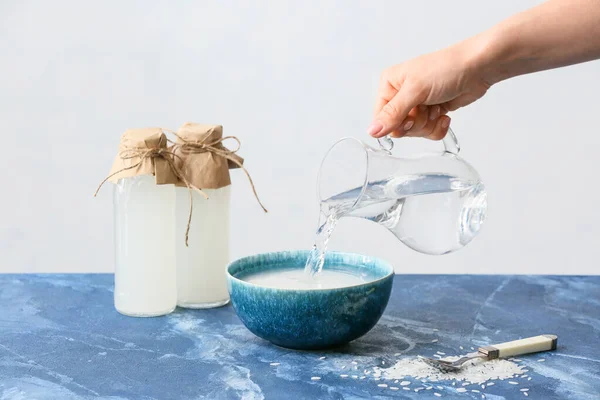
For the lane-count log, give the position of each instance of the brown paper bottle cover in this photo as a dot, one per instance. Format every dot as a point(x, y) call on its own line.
point(198, 150)
point(203, 159)
point(198, 159)
point(144, 152)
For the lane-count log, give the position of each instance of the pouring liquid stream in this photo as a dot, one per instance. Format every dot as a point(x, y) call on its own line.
point(430, 213)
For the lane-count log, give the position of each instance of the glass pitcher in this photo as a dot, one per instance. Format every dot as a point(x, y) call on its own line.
point(433, 203)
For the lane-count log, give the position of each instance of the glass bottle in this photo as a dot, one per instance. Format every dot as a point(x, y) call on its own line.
point(201, 266)
point(204, 162)
point(144, 217)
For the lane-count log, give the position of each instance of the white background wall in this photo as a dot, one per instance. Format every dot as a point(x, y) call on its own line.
point(288, 78)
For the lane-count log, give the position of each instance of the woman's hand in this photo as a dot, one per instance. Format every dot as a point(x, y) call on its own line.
point(414, 96)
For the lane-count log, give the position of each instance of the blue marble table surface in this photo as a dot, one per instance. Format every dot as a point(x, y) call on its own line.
point(60, 338)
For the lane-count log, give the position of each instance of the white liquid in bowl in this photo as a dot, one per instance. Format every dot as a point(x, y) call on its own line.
point(295, 278)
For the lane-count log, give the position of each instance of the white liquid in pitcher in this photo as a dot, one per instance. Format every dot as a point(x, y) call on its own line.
point(432, 214)
point(294, 278)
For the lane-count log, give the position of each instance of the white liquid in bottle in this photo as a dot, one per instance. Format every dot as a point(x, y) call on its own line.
point(201, 267)
point(145, 275)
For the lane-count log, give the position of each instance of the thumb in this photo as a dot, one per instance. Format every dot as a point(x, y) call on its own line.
point(392, 115)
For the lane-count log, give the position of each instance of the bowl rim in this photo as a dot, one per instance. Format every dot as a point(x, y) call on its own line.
point(383, 262)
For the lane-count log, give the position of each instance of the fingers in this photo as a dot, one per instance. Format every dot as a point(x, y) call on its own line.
point(434, 112)
point(398, 118)
point(385, 93)
point(393, 115)
point(415, 121)
point(420, 114)
point(434, 130)
point(419, 122)
point(408, 124)
point(440, 129)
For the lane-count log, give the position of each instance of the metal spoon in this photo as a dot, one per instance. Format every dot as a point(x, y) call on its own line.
point(503, 350)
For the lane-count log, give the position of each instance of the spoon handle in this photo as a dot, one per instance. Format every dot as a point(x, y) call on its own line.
point(533, 344)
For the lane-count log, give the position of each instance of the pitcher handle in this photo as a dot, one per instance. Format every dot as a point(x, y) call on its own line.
point(386, 144)
point(450, 143)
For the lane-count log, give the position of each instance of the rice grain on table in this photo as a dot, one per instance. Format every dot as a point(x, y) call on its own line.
point(315, 378)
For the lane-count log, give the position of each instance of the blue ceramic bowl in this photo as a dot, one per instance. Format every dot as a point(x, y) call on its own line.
point(315, 318)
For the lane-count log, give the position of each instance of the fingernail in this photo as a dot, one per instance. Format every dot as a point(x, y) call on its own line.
point(375, 128)
point(434, 113)
point(408, 125)
point(446, 122)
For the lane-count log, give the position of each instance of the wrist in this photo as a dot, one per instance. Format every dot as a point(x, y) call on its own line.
point(488, 57)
